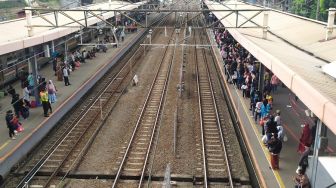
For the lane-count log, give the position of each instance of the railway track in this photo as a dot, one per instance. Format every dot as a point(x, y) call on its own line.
point(92, 118)
point(216, 163)
point(67, 151)
point(134, 160)
point(83, 126)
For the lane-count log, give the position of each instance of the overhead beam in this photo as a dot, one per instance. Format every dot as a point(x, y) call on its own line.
point(191, 18)
point(249, 19)
point(44, 18)
point(99, 17)
point(146, 10)
point(71, 18)
point(172, 27)
point(209, 26)
point(138, 23)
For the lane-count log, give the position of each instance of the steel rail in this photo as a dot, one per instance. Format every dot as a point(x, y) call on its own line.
point(219, 125)
point(50, 151)
point(201, 121)
point(90, 140)
point(139, 120)
point(158, 116)
point(45, 158)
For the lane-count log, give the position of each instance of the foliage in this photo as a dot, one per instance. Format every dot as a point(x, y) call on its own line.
point(307, 8)
point(11, 4)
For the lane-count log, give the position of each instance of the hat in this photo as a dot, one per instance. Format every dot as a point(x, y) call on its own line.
point(277, 111)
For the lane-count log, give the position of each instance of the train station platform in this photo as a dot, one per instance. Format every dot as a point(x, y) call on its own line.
point(37, 126)
point(293, 115)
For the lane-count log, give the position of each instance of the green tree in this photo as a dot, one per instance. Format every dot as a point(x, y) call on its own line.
point(307, 8)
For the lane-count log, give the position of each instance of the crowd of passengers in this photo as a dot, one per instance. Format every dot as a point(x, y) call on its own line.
point(242, 70)
point(62, 66)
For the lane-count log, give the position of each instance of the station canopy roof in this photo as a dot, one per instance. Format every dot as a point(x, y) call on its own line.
point(14, 33)
point(295, 50)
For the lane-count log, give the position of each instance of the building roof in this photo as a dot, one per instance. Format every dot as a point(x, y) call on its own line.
point(294, 50)
point(14, 33)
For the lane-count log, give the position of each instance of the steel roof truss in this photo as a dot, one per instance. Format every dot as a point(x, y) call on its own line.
point(99, 17)
point(138, 23)
point(191, 18)
point(44, 18)
point(71, 18)
point(209, 26)
point(249, 19)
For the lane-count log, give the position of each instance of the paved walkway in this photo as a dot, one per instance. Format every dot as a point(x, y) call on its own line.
point(77, 79)
point(292, 116)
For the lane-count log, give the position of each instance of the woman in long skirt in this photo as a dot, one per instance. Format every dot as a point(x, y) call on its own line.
point(51, 92)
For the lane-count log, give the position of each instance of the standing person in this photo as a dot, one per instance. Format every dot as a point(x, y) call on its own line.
point(274, 83)
point(11, 90)
point(10, 124)
point(122, 35)
point(54, 65)
point(305, 139)
point(51, 92)
point(301, 180)
point(265, 108)
point(303, 161)
point(66, 76)
point(45, 102)
point(281, 133)
point(270, 127)
point(31, 81)
point(257, 111)
point(274, 147)
point(277, 118)
point(26, 97)
point(17, 104)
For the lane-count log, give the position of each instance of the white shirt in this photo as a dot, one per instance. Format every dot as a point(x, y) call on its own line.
point(26, 94)
point(277, 120)
point(65, 72)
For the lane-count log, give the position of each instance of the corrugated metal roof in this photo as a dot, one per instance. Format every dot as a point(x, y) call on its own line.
point(14, 34)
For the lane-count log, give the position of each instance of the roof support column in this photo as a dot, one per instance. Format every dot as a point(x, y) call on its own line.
point(46, 50)
point(29, 17)
point(316, 149)
point(261, 80)
point(265, 25)
point(330, 24)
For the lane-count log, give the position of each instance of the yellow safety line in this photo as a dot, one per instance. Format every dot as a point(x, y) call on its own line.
point(266, 152)
point(4, 145)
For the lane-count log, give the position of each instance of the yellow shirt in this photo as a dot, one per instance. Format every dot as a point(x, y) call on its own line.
point(44, 96)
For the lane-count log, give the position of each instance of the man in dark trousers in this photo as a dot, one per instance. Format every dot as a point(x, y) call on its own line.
point(270, 127)
point(274, 147)
point(45, 102)
point(66, 76)
point(10, 125)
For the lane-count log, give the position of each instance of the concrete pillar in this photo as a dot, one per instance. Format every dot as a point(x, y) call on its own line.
point(52, 46)
point(261, 78)
point(265, 25)
point(313, 166)
point(115, 18)
point(330, 24)
point(66, 49)
point(29, 17)
point(35, 73)
point(46, 50)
